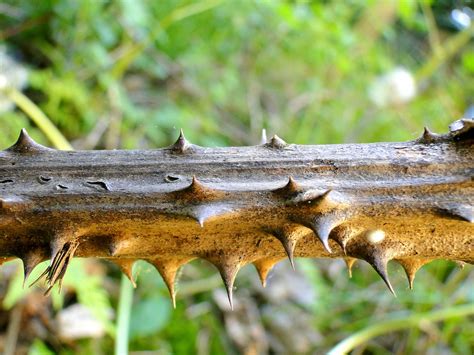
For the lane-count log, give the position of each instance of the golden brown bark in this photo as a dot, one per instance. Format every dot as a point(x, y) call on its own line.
point(411, 202)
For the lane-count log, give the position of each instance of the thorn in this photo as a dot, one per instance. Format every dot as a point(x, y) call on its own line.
point(181, 145)
point(197, 191)
point(350, 263)
point(290, 189)
point(25, 144)
point(126, 266)
point(277, 142)
point(168, 270)
point(322, 227)
point(379, 264)
point(30, 261)
point(321, 200)
point(461, 264)
point(411, 266)
point(428, 137)
point(288, 243)
point(228, 271)
point(263, 139)
point(202, 213)
point(462, 211)
point(264, 266)
point(462, 128)
point(342, 235)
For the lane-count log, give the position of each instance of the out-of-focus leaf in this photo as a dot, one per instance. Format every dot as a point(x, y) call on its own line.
point(149, 316)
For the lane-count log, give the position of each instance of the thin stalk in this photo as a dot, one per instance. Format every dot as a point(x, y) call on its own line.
point(39, 118)
point(415, 320)
point(123, 316)
point(448, 50)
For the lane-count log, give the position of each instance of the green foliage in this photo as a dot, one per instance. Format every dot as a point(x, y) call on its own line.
point(128, 74)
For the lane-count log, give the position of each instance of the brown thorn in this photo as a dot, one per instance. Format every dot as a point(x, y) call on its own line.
point(277, 142)
point(198, 192)
point(181, 145)
point(350, 263)
point(126, 266)
point(30, 261)
point(264, 266)
point(379, 263)
point(291, 188)
point(428, 136)
point(25, 144)
point(228, 270)
point(411, 266)
point(287, 242)
point(168, 271)
point(322, 227)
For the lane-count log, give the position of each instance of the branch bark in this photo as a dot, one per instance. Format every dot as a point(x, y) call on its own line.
point(411, 202)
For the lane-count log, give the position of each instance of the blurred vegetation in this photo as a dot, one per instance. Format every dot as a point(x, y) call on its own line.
point(129, 73)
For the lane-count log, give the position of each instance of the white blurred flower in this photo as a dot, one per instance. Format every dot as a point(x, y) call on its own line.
point(77, 321)
point(393, 88)
point(12, 75)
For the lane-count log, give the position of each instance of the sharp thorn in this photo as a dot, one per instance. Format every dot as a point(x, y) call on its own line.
point(380, 266)
point(411, 266)
point(181, 145)
point(126, 266)
point(264, 266)
point(322, 227)
point(25, 144)
point(350, 263)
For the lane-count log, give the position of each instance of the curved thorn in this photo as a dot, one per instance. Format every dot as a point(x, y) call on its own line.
point(30, 261)
point(264, 266)
point(322, 227)
point(291, 188)
point(411, 266)
point(25, 144)
point(228, 271)
point(168, 270)
point(350, 263)
point(380, 266)
point(288, 244)
point(126, 266)
point(428, 136)
point(341, 235)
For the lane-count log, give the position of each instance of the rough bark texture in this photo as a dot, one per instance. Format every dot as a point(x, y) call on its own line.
point(411, 202)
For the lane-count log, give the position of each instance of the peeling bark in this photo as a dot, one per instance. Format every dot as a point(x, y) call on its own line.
point(411, 202)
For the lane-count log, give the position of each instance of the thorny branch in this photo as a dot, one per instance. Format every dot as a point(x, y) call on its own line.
point(411, 202)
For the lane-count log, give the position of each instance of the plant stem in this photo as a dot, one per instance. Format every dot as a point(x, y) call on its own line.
point(415, 320)
point(448, 50)
point(123, 316)
point(39, 118)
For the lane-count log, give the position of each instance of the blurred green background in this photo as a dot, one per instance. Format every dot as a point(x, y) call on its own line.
point(129, 73)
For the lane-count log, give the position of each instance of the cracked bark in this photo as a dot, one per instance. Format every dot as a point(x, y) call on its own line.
point(411, 202)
